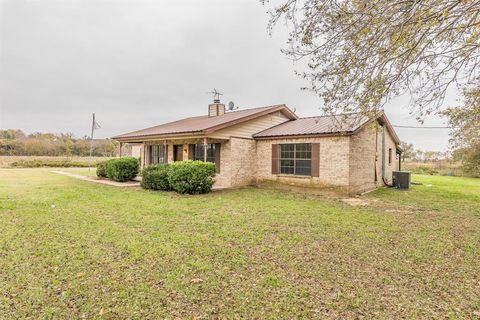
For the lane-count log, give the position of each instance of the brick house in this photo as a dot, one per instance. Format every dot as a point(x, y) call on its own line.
point(349, 151)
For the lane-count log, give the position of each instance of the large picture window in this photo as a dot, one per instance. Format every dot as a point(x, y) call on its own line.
point(198, 150)
point(296, 159)
point(157, 154)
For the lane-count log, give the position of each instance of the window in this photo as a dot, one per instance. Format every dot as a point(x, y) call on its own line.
point(198, 152)
point(389, 156)
point(296, 159)
point(157, 154)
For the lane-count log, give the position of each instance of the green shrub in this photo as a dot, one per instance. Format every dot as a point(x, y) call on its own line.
point(122, 169)
point(156, 177)
point(191, 177)
point(102, 169)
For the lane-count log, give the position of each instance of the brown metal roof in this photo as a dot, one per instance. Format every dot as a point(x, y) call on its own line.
point(204, 124)
point(325, 125)
point(343, 123)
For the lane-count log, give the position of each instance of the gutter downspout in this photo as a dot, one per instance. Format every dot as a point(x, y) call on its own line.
point(376, 153)
point(400, 162)
point(383, 157)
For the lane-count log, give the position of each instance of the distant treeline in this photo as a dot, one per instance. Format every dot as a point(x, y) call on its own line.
point(18, 143)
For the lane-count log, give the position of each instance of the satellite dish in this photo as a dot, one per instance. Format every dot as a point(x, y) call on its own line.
point(231, 105)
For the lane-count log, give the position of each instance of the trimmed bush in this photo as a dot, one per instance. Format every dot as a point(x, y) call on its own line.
point(191, 177)
point(156, 177)
point(122, 169)
point(102, 169)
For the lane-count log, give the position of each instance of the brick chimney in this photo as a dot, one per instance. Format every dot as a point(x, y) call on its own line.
point(216, 108)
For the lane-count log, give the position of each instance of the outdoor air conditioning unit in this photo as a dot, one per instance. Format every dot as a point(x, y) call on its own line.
point(402, 179)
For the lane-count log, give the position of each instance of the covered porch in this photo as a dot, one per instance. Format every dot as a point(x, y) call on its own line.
point(170, 149)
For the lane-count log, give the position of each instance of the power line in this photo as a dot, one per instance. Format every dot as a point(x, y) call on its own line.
point(421, 127)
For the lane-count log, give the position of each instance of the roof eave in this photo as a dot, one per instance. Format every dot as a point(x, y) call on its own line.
point(383, 117)
point(390, 128)
point(305, 135)
point(141, 138)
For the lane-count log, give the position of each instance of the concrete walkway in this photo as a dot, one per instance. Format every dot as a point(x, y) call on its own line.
point(94, 180)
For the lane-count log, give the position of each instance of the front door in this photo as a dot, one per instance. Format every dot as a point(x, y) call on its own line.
point(178, 152)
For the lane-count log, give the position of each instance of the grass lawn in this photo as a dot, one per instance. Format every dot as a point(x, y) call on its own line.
point(106, 252)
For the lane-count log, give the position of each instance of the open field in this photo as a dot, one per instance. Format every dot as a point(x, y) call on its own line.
point(441, 167)
point(73, 249)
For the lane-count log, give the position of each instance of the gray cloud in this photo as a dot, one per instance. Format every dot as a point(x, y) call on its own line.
point(139, 63)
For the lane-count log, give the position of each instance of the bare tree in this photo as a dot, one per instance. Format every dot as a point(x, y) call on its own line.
point(408, 151)
point(361, 53)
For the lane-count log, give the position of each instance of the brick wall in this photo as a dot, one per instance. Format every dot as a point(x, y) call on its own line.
point(242, 165)
point(366, 159)
point(362, 160)
point(223, 178)
point(347, 162)
point(389, 144)
point(237, 163)
point(333, 164)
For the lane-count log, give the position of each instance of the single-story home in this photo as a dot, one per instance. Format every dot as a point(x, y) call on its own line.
point(353, 152)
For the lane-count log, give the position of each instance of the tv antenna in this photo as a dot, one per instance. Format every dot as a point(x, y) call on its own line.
point(216, 95)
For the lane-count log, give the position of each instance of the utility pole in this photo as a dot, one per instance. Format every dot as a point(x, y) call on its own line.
point(91, 135)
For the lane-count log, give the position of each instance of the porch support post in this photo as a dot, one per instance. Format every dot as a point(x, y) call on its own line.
point(205, 145)
point(144, 162)
point(165, 155)
point(121, 144)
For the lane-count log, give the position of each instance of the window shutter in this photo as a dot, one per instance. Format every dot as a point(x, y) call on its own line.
point(275, 159)
point(217, 157)
point(191, 151)
point(315, 159)
point(165, 155)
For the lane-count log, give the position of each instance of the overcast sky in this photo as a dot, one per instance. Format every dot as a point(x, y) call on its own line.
point(138, 63)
